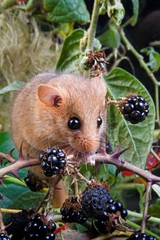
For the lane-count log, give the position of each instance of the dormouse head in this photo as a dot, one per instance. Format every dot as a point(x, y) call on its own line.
point(73, 111)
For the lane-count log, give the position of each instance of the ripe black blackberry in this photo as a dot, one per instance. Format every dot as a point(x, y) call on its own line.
point(52, 161)
point(141, 236)
point(94, 200)
point(72, 211)
point(116, 206)
point(37, 229)
point(108, 221)
point(3, 236)
point(16, 223)
point(134, 108)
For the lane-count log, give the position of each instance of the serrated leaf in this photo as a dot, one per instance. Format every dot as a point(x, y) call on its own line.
point(135, 4)
point(62, 11)
point(138, 137)
point(16, 85)
point(70, 53)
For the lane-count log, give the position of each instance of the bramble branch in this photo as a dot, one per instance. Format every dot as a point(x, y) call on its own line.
point(116, 160)
point(15, 165)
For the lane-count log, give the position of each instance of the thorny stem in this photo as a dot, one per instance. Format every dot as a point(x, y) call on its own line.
point(120, 163)
point(16, 164)
point(146, 68)
point(93, 25)
point(145, 211)
point(113, 159)
point(139, 215)
point(7, 156)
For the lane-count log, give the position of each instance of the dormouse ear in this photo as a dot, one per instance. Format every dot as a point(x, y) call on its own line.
point(49, 95)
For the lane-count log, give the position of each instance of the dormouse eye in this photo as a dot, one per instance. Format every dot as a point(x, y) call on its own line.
point(74, 123)
point(99, 122)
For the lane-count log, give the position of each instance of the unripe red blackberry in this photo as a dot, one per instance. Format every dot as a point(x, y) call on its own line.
point(52, 161)
point(134, 108)
point(72, 211)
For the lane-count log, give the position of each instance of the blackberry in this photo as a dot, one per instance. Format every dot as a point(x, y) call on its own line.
point(3, 236)
point(36, 229)
point(104, 226)
point(134, 109)
point(113, 207)
point(33, 182)
point(72, 211)
point(52, 161)
point(141, 236)
point(16, 223)
point(124, 213)
point(94, 200)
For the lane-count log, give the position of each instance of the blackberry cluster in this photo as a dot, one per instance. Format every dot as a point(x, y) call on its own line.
point(3, 236)
point(52, 161)
point(135, 109)
point(33, 182)
point(98, 204)
point(95, 203)
point(72, 211)
point(105, 222)
point(141, 236)
point(37, 230)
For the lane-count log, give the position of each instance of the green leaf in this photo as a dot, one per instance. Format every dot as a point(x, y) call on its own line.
point(11, 192)
point(141, 189)
point(154, 209)
point(135, 4)
point(27, 199)
point(110, 38)
point(6, 143)
point(62, 11)
point(69, 58)
point(16, 85)
point(5, 202)
point(138, 137)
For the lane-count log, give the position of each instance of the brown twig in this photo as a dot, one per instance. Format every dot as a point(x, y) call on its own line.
point(145, 211)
